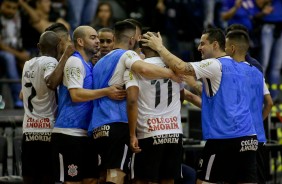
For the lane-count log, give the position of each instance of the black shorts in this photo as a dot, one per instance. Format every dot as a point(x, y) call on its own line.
point(37, 155)
point(160, 158)
point(229, 160)
point(75, 158)
point(262, 163)
point(112, 141)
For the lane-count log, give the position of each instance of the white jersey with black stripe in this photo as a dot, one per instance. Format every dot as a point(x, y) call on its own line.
point(158, 104)
point(39, 101)
point(209, 70)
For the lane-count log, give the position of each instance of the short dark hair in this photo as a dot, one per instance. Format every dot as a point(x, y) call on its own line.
point(241, 38)
point(216, 34)
point(48, 42)
point(57, 27)
point(233, 27)
point(105, 29)
point(135, 22)
point(121, 28)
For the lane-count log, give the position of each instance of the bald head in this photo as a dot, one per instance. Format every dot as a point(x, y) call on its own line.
point(48, 43)
point(80, 32)
point(86, 41)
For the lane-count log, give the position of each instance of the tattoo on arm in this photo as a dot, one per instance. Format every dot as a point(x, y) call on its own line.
point(176, 64)
point(189, 70)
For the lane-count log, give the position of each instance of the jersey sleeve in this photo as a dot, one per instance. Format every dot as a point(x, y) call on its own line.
point(207, 68)
point(49, 66)
point(129, 57)
point(74, 73)
point(130, 79)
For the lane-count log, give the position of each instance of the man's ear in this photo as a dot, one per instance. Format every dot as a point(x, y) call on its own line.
point(131, 42)
point(215, 45)
point(233, 48)
point(80, 42)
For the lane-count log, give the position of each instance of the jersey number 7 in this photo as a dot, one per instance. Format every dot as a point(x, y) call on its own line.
point(31, 96)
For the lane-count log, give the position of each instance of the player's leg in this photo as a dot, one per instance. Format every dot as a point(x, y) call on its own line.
point(37, 158)
point(145, 166)
point(171, 164)
point(68, 154)
point(90, 162)
point(115, 176)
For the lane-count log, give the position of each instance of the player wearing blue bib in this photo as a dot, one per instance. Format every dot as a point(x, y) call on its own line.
point(226, 116)
point(75, 157)
point(109, 126)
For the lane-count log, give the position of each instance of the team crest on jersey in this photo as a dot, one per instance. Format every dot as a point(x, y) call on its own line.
point(204, 65)
point(49, 66)
point(128, 55)
point(73, 72)
point(72, 170)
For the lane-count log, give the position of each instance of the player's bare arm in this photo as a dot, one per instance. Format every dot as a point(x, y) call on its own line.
point(267, 105)
point(132, 111)
point(151, 71)
point(191, 81)
point(194, 99)
point(176, 64)
point(84, 95)
point(56, 77)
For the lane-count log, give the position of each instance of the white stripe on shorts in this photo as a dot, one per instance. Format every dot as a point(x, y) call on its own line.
point(61, 160)
point(124, 156)
point(211, 160)
point(132, 165)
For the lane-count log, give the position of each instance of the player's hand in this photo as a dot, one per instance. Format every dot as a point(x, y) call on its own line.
point(116, 92)
point(134, 144)
point(152, 41)
point(69, 50)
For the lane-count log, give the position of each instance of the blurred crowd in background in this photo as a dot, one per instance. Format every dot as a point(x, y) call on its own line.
point(180, 23)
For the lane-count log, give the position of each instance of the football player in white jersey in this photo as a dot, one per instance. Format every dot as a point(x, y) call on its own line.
point(40, 109)
point(225, 124)
point(156, 137)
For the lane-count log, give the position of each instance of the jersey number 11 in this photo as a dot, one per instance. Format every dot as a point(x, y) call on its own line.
point(158, 91)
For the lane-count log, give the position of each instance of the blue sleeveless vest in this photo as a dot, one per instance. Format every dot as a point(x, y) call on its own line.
point(256, 101)
point(105, 110)
point(226, 114)
point(75, 114)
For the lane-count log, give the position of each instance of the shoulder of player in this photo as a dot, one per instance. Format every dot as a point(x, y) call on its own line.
point(129, 54)
point(155, 60)
point(73, 61)
point(47, 59)
point(206, 63)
